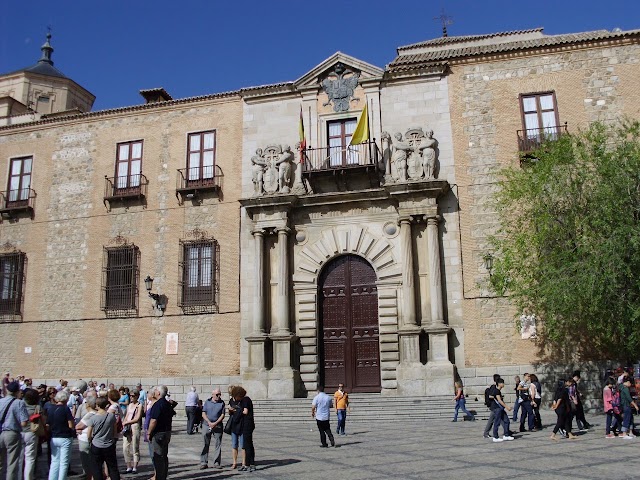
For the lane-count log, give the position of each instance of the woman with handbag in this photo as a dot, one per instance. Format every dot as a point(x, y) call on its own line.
point(131, 433)
point(32, 432)
point(244, 425)
point(102, 433)
point(236, 440)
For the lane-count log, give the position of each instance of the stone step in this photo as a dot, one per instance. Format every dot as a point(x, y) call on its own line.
point(371, 408)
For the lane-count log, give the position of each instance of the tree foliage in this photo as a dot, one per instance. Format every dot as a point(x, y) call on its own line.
point(568, 247)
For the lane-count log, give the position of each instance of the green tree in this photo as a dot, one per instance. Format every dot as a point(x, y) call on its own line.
point(568, 247)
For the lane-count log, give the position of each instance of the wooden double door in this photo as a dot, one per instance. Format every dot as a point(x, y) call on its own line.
point(349, 330)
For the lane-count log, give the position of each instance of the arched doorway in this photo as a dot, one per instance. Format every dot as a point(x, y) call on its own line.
point(349, 330)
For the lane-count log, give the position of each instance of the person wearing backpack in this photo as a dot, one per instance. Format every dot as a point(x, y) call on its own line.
point(13, 418)
point(489, 395)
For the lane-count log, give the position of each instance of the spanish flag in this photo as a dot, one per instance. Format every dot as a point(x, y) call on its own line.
point(361, 133)
point(303, 140)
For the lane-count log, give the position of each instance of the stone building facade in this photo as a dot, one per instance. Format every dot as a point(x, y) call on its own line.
point(339, 261)
point(84, 311)
point(498, 86)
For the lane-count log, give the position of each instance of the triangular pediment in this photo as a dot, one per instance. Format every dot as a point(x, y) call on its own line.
point(311, 78)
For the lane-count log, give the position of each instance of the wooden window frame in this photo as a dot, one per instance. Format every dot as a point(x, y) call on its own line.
point(201, 151)
point(18, 202)
point(343, 137)
point(539, 110)
point(199, 298)
point(130, 186)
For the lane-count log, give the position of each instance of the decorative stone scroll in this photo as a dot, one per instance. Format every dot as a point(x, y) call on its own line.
point(272, 170)
point(412, 157)
point(340, 86)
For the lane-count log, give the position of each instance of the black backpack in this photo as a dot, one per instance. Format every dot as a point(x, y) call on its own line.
point(487, 401)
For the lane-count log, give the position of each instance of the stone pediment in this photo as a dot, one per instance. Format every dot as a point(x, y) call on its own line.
point(314, 77)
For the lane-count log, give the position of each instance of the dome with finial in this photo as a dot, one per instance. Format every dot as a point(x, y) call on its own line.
point(44, 66)
point(47, 50)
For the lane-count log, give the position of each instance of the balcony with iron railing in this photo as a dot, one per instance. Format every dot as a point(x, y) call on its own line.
point(193, 181)
point(344, 165)
point(532, 138)
point(14, 202)
point(124, 188)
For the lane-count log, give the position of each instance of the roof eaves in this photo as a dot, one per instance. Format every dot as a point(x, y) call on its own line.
point(466, 38)
point(132, 108)
point(547, 41)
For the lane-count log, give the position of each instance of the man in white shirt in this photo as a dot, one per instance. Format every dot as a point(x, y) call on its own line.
point(321, 410)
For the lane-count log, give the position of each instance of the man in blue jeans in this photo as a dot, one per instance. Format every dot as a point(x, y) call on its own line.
point(516, 405)
point(341, 400)
point(500, 410)
point(626, 401)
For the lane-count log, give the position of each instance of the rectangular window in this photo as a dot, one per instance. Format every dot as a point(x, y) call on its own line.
point(199, 273)
point(339, 133)
point(540, 115)
point(120, 279)
point(12, 269)
point(201, 156)
point(128, 167)
point(19, 181)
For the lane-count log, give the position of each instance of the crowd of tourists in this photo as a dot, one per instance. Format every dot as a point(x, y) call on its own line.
point(100, 417)
point(567, 403)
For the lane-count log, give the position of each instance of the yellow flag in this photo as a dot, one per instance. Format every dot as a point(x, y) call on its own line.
point(361, 133)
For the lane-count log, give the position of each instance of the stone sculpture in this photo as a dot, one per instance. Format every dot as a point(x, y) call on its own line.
point(340, 87)
point(284, 169)
point(401, 151)
point(259, 164)
point(428, 148)
point(411, 158)
point(272, 170)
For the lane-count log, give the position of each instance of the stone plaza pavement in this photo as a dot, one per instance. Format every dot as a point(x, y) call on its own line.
point(437, 449)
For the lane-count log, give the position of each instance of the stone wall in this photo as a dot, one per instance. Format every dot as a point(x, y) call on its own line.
point(62, 321)
point(477, 379)
point(594, 82)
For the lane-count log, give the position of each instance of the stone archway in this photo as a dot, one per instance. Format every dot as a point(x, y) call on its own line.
point(315, 253)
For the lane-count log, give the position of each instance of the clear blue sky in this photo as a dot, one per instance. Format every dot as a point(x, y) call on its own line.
point(114, 48)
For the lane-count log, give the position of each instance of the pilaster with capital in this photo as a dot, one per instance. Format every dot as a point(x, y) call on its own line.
point(435, 277)
point(281, 323)
point(258, 337)
point(439, 367)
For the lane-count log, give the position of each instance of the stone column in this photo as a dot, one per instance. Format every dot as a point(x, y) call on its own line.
point(258, 299)
point(410, 372)
point(408, 287)
point(281, 324)
point(435, 278)
point(283, 380)
point(439, 368)
point(258, 337)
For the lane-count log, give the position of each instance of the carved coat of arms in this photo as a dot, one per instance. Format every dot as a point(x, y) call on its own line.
point(340, 87)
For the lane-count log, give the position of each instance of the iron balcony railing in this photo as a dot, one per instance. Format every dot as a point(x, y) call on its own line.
point(125, 187)
point(332, 158)
point(14, 200)
point(200, 178)
point(531, 138)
